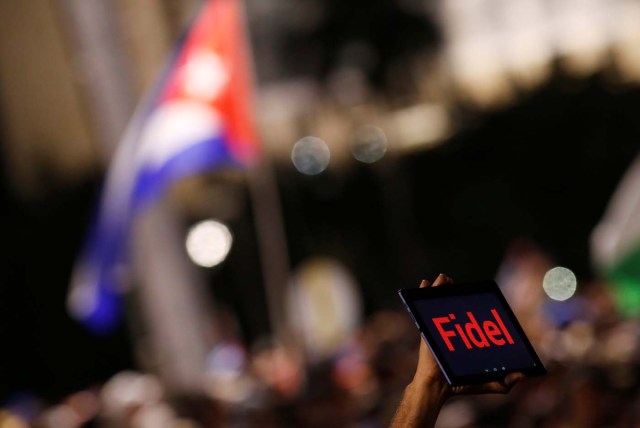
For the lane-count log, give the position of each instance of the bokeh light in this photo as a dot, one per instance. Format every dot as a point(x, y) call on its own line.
point(208, 243)
point(226, 376)
point(370, 144)
point(60, 416)
point(323, 305)
point(310, 155)
point(129, 389)
point(559, 283)
point(205, 75)
point(153, 415)
point(85, 404)
point(227, 360)
point(8, 420)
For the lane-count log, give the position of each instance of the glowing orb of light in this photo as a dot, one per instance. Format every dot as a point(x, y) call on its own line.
point(226, 360)
point(370, 144)
point(310, 155)
point(208, 243)
point(205, 75)
point(559, 283)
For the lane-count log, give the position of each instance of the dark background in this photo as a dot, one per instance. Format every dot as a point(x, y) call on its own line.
point(541, 171)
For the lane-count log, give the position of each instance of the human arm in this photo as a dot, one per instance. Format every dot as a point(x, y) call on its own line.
point(424, 397)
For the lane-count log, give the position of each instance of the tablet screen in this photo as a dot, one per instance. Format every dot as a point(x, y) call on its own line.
point(472, 332)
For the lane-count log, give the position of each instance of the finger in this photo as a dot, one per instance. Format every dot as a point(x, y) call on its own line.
point(504, 386)
point(424, 284)
point(441, 280)
point(494, 388)
point(491, 387)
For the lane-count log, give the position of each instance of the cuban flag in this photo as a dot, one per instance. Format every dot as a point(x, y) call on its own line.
point(197, 118)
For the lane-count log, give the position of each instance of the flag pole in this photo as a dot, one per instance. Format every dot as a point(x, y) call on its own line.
point(272, 245)
point(268, 220)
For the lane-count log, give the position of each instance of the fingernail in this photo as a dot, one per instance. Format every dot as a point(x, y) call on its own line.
point(424, 283)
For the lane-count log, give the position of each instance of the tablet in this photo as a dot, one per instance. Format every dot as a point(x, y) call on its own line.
point(472, 332)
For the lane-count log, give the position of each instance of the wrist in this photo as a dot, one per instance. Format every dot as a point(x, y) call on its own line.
point(421, 402)
point(431, 391)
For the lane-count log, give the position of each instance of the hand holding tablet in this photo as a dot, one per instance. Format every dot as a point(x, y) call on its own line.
point(477, 347)
point(472, 332)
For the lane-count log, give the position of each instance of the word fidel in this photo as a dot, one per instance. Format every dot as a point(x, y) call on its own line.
point(477, 335)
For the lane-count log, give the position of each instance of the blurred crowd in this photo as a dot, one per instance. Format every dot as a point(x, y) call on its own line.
point(590, 350)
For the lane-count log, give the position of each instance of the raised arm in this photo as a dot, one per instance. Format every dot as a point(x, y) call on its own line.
point(426, 394)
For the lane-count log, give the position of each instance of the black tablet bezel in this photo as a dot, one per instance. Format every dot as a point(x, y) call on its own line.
point(409, 296)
